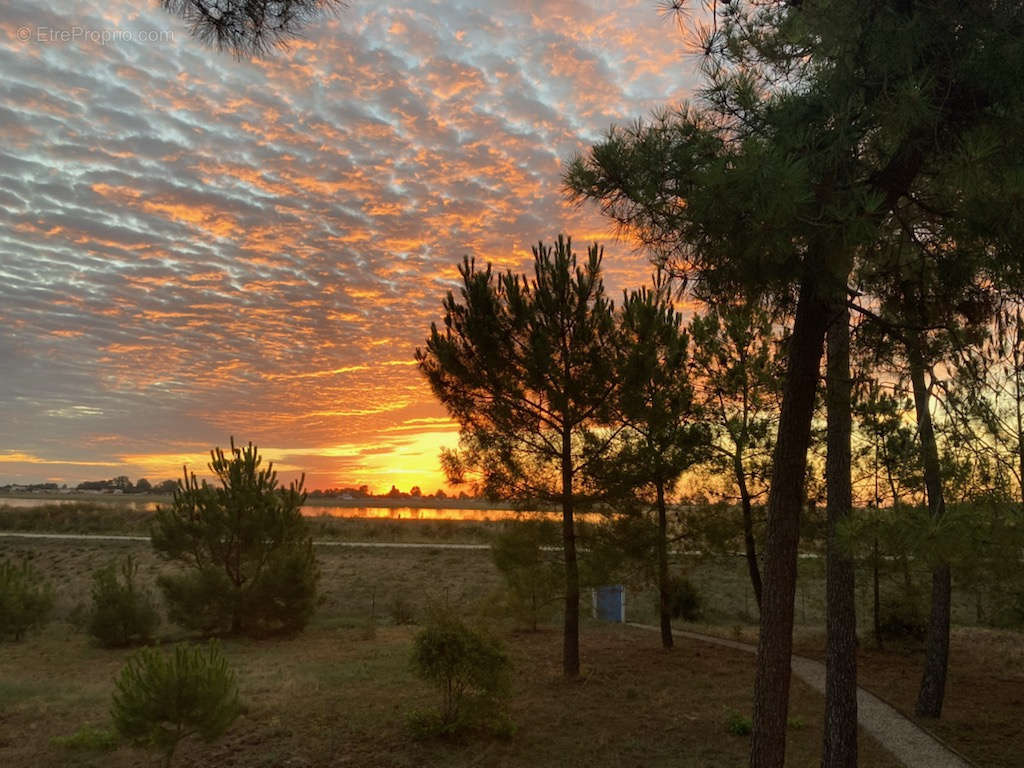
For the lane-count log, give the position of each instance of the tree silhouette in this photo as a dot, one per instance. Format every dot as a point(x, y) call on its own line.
point(738, 374)
point(525, 367)
point(249, 27)
point(664, 435)
point(822, 129)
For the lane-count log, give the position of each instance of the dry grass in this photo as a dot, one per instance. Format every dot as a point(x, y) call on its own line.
point(333, 692)
point(333, 697)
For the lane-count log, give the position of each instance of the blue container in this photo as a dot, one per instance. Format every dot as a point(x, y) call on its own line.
point(610, 603)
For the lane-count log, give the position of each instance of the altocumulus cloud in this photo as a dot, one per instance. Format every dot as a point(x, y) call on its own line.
point(192, 246)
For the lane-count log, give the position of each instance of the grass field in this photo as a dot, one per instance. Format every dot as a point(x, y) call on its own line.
point(331, 696)
point(374, 687)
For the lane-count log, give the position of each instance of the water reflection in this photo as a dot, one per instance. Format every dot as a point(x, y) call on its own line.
point(310, 510)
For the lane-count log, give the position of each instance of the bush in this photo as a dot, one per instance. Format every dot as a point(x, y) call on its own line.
point(121, 613)
point(89, 738)
point(26, 600)
point(247, 548)
point(684, 599)
point(162, 699)
point(534, 579)
point(470, 669)
point(737, 724)
point(903, 623)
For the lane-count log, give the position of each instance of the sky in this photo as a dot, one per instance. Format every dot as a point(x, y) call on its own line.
point(194, 247)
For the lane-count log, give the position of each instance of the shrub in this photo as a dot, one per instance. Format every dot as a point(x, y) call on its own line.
point(162, 699)
point(684, 599)
point(903, 622)
point(737, 724)
point(121, 613)
point(26, 600)
point(470, 669)
point(246, 546)
point(88, 738)
point(534, 579)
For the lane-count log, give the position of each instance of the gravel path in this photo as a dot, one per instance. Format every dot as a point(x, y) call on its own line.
point(904, 739)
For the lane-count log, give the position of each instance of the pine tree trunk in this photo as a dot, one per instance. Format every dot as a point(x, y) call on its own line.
point(1018, 391)
point(663, 585)
point(750, 547)
point(876, 603)
point(571, 632)
point(840, 749)
point(933, 682)
point(775, 645)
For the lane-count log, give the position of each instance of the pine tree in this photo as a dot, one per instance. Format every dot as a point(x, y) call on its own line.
point(823, 128)
point(663, 435)
point(738, 374)
point(249, 27)
point(525, 367)
point(246, 547)
point(162, 699)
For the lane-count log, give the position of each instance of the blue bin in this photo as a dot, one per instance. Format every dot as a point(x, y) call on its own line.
point(610, 603)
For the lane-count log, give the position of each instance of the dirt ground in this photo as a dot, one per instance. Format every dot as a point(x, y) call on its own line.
point(334, 696)
point(56, 680)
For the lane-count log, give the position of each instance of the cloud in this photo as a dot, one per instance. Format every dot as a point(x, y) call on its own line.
point(194, 246)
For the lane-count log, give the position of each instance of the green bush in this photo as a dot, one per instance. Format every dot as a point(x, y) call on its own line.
point(89, 738)
point(532, 572)
point(121, 612)
point(246, 547)
point(469, 668)
point(737, 724)
point(684, 599)
point(161, 699)
point(26, 599)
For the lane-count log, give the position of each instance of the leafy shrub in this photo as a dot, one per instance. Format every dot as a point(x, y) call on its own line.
point(533, 577)
point(121, 612)
point(247, 549)
point(162, 699)
point(684, 599)
point(89, 738)
point(470, 669)
point(26, 600)
point(737, 724)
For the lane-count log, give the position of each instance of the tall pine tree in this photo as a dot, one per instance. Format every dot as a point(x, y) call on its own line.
point(525, 365)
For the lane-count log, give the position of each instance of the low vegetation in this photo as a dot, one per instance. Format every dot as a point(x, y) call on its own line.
point(471, 671)
point(162, 699)
point(26, 599)
point(246, 555)
point(338, 688)
point(531, 571)
point(122, 612)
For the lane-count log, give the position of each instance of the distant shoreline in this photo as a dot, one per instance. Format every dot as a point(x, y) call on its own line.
point(377, 502)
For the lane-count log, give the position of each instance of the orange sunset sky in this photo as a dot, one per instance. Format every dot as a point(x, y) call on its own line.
point(193, 246)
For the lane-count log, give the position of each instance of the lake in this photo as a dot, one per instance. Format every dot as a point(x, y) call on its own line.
point(310, 510)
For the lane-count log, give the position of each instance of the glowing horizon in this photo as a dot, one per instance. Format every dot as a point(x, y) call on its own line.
point(195, 247)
